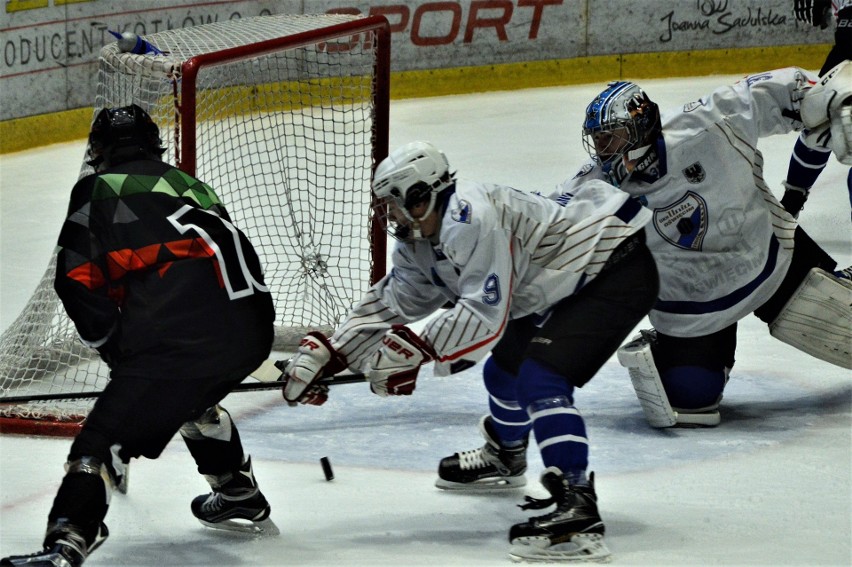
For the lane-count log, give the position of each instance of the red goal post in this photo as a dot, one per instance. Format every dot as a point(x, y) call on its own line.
point(286, 117)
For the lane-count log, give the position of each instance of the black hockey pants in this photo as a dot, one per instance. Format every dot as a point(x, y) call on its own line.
point(584, 330)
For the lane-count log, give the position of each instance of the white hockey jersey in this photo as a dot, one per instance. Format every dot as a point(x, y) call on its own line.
point(721, 240)
point(501, 254)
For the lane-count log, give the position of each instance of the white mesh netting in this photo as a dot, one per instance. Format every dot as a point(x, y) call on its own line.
point(286, 136)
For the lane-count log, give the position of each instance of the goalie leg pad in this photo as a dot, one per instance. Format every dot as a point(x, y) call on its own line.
point(637, 357)
point(817, 318)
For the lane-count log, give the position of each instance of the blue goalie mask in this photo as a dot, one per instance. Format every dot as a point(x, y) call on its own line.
point(620, 120)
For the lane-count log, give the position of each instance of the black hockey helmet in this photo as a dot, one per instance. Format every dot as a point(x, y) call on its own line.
point(123, 134)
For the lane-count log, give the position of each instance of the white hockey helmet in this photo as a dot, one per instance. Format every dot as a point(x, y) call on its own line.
point(411, 175)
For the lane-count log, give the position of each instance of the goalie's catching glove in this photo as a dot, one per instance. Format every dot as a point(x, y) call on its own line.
point(393, 370)
point(315, 359)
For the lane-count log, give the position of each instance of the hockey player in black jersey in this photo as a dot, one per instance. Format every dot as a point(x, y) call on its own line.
point(171, 294)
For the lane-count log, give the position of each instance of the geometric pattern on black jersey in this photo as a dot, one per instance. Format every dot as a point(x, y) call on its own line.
point(174, 182)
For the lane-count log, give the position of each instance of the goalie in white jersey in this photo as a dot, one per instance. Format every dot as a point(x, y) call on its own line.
point(550, 288)
point(723, 244)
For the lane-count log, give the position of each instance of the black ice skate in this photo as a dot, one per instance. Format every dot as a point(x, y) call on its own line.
point(490, 467)
point(572, 532)
point(236, 504)
point(64, 546)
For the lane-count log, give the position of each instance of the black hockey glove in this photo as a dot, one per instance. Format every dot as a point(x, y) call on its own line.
point(814, 12)
point(109, 352)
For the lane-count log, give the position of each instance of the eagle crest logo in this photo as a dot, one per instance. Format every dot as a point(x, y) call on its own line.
point(695, 173)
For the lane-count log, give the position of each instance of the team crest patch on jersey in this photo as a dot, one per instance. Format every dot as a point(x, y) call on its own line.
point(695, 173)
point(683, 223)
point(462, 213)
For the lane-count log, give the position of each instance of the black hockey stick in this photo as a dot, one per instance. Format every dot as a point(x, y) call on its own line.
point(242, 387)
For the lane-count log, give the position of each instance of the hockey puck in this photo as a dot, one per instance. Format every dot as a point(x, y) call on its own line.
point(326, 468)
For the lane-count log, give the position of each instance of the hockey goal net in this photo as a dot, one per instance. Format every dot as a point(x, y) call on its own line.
point(285, 117)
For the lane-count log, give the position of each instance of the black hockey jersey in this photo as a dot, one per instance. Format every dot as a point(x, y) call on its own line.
point(152, 271)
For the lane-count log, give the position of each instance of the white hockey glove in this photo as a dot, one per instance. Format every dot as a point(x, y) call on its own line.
point(830, 102)
point(827, 96)
point(393, 370)
point(841, 134)
point(314, 360)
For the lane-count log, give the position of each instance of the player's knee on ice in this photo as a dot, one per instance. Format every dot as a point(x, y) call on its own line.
point(693, 387)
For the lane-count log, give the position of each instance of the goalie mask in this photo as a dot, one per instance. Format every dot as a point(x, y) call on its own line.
point(413, 177)
point(123, 134)
point(620, 121)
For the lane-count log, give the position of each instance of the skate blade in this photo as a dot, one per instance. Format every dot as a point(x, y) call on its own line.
point(263, 528)
point(588, 548)
point(490, 484)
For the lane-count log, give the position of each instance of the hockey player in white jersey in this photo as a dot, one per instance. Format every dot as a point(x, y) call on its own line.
point(551, 289)
point(723, 244)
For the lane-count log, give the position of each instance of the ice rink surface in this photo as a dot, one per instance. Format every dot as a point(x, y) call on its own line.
point(771, 486)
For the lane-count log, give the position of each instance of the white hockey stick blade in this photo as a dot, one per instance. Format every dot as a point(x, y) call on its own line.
point(587, 548)
point(267, 372)
point(264, 528)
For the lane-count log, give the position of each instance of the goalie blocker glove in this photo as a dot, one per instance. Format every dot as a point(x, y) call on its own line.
point(830, 101)
point(314, 360)
point(393, 370)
